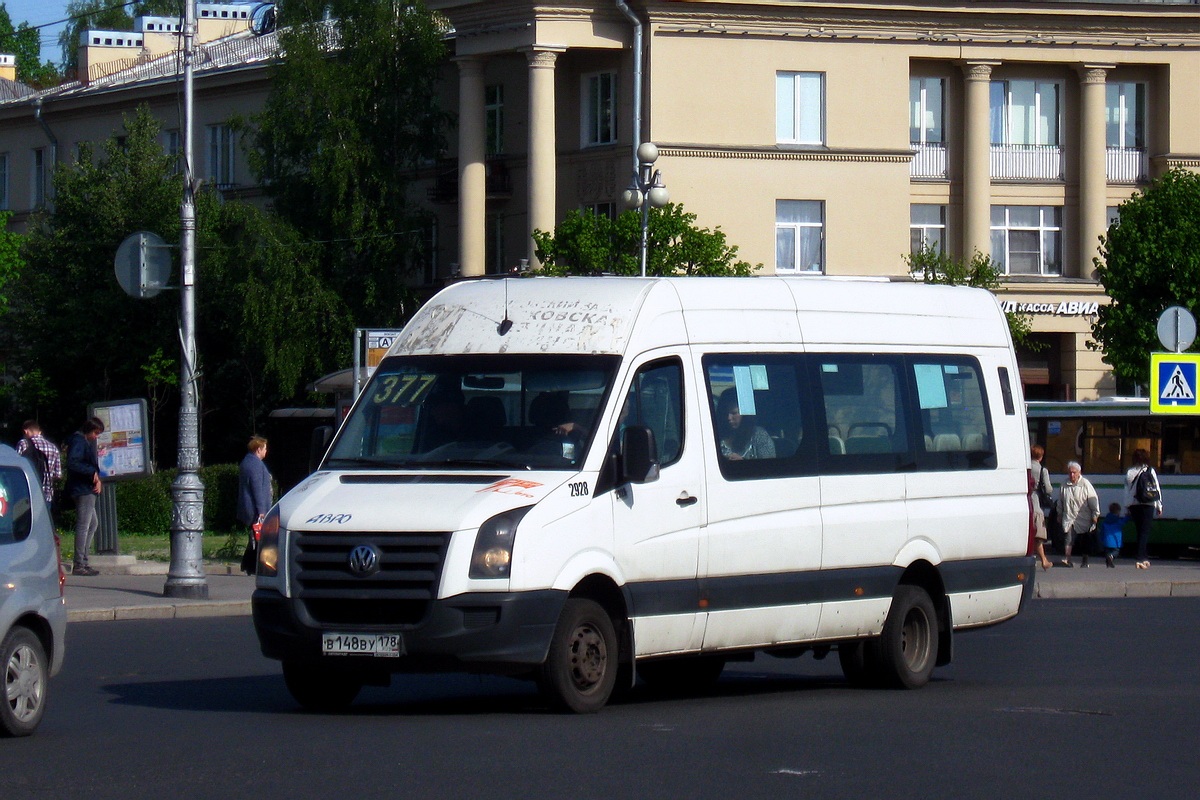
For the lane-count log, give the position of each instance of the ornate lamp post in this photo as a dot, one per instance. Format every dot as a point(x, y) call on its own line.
point(647, 189)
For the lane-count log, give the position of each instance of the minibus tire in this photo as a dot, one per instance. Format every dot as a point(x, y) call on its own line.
point(320, 689)
point(581, 666)
point(26, 678)
point(908, 646)
point(682, 675)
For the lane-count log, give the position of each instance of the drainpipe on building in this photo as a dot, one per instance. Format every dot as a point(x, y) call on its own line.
point(37, 114)
point(637, 79)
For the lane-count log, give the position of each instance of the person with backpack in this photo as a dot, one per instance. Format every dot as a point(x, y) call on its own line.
point(1143, 498)
point(47, 462)
point(1043, 500)
point(83, 487)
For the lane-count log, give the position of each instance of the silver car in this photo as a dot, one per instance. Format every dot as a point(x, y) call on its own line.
point(33, 617)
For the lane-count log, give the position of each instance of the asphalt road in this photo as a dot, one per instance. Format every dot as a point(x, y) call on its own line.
point(1075, 699)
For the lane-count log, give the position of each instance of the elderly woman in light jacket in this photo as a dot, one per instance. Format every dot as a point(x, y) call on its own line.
point(1078, 509)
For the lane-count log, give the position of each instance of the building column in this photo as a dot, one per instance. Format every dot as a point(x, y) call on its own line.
point(543, 154)
point(472, 168)
point(977, 156)
point(1093, 167)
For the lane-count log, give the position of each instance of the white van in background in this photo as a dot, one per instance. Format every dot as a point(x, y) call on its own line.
point(569, 478)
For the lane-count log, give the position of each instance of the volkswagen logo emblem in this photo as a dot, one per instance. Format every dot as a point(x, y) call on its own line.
point(364, 560)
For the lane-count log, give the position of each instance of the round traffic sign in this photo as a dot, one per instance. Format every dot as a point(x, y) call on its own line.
point(1176, 329)
point(142, 264)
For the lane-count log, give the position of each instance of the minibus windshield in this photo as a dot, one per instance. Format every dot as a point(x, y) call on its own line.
point(476, 412)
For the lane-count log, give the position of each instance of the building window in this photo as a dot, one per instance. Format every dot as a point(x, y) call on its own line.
point(800, 107)
point(493, 108)
point(1112, 215)
point(1125, 132)
point(606, 210)
point(1025, 121)
point(926, 115)
point(927, 228)
point(925, 110)
point(173, 147)
point(1025, 112)
point(1027, 240)
point(494, 246)
point(220, 156)
point(600, 108)
point(799, 225)
point(37, 184)
point(3, 181)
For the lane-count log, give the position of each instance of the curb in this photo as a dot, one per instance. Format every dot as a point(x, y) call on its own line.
point(1101, 590)
point(208, 608)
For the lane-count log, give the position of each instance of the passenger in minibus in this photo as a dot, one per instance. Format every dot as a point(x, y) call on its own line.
point(741, 437)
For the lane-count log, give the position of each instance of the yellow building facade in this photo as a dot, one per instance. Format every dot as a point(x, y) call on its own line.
point(833, 138)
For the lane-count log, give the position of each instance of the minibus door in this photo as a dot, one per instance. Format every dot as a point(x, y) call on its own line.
point(657, 523)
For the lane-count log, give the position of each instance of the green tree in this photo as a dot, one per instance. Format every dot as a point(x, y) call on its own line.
point(10, 259)
point(1149, 260)
point(25, 43)
point(109, 15)
point(585, 243)
point(934, 266)
point(265, 322)
point(351, 113)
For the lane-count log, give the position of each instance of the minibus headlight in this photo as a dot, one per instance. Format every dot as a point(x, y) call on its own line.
point(492, 555)
point(268, 545)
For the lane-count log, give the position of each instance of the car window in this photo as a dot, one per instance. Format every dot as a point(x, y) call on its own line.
point(16, 515)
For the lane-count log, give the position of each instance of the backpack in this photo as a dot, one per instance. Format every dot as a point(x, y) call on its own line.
point(1045, 494)
point(36, 457)
point(1145, 488)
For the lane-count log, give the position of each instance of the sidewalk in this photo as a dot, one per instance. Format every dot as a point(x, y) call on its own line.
point(138, 594)
point(134, 590)
point(1165, 578)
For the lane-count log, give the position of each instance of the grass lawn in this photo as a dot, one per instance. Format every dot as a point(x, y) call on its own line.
point(157, 547)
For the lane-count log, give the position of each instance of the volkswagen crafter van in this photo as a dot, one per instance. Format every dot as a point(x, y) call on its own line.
point(33, 618)
point(570, 479)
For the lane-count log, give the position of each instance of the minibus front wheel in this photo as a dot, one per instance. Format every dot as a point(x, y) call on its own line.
point(581, 667)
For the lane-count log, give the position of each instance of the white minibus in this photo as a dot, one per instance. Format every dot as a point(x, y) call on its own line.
point(580, 480)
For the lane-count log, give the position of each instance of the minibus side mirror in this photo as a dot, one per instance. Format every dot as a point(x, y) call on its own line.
point(317, 445)
point(639, 455)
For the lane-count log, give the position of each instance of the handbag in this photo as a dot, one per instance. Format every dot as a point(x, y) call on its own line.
point(250, 556)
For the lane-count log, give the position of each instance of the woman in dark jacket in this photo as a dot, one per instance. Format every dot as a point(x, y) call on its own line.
point(254, 495)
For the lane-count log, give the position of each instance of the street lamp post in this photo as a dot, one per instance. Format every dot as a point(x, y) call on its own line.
point(185, 577)
point(647, 189)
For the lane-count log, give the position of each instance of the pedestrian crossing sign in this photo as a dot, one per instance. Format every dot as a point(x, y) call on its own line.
point(1173, 386)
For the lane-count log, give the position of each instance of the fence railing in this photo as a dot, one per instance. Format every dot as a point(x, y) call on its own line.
point(929, 160)
point(1027, 162)
point(1126, 165)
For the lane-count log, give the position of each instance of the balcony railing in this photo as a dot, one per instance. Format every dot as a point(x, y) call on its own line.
point(929, 160)
point(1126, 165)
point(1030, 162)
point(445, 186)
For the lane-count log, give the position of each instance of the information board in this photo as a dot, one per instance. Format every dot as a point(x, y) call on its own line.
point(123, 447)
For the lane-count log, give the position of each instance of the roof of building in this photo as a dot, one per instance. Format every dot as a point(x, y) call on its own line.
point(14, 90)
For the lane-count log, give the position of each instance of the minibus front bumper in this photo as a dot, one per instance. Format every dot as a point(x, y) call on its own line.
point(492, 632)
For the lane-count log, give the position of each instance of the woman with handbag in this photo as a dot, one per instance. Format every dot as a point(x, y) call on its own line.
point(1079, 511)
point(1143, 498)
point(254, 497)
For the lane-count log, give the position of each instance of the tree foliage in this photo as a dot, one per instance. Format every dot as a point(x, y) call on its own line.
point(25, 43)
point(936, 267)
point(10, 259)
point(1149, 260)
point(585, 243)
point(109, 15)
point(351, 113)
point(266, 323)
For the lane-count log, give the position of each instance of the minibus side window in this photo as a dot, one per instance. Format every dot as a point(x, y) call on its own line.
point(864, 418)
point(758, 415)
point(956, 431)
point(655, 399)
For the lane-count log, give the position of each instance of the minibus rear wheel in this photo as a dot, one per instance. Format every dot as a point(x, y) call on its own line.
point(581, 667)
point(320, 689)
point(908, 646)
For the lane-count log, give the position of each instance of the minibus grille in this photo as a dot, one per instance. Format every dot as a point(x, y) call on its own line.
point(397, 589)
